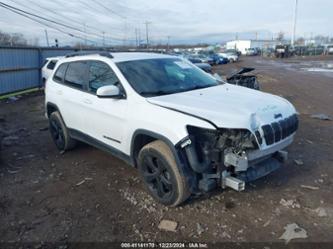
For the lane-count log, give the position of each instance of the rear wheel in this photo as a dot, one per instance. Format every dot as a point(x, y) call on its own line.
point(59, 133)
point(161, 174)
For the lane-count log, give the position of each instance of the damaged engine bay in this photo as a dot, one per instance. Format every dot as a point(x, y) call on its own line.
point(221, 157)
point(242, 78)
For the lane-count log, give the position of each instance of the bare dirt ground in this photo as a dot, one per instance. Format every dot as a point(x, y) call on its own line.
point(87, 195)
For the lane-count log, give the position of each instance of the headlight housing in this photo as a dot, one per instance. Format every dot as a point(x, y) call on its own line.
point(215, 141)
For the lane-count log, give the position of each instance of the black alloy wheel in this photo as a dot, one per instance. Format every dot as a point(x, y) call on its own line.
point(157, 177)
point(57, 134)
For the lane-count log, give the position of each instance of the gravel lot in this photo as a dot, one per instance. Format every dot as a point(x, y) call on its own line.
point(87, 195)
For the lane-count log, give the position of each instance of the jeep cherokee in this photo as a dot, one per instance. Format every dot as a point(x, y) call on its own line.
point(185, 131)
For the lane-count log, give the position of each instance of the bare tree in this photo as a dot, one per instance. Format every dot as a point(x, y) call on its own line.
point(4, 39)
point(15, 39)
point(280, 36)
point(322, 39)
point(300, 41)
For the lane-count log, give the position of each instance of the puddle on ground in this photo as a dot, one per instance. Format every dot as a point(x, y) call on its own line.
point(316, 69)
point(323, 67)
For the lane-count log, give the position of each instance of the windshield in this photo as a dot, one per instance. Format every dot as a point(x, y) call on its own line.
point(154, 77)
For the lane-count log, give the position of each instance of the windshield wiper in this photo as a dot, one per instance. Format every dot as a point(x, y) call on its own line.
point(156, 93)
point(198, 87)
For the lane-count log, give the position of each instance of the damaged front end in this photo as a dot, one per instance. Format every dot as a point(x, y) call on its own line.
point(242, 78)
point(225, 157)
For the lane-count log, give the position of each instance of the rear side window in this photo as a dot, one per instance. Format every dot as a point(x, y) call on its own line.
point(100, 74)
point(76, 74)
point(60, 73)
point(52, 64)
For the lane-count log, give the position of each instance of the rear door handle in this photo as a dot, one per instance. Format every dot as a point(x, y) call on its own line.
point(87, 101)
point(59, 92)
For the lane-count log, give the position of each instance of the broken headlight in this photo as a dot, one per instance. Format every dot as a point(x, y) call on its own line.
point(210, 144)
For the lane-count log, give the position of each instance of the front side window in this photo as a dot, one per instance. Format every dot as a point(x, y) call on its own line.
point(154, 77)
point(60, 73)
point(76, 74)
point(100, 74)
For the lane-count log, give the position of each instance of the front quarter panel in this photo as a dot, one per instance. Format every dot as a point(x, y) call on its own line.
point(159, 120)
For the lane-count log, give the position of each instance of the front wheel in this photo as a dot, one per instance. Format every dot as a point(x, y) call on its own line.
point(161, 174)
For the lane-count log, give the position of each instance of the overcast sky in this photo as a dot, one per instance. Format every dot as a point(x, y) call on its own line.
point(184, 21)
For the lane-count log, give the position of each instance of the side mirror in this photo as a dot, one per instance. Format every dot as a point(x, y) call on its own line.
point(111, 91)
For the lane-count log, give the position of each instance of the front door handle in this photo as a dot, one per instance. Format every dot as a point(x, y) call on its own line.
point(87, 101)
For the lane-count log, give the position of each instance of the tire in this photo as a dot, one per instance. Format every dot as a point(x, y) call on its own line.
point(161, 175)
point(60, 133)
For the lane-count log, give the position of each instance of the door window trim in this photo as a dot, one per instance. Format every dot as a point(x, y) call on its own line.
point(86, 85)
point(121, 85)
point(54, 75)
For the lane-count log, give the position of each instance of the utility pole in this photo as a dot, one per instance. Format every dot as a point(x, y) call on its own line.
point(125, 32)
point(103, 39)
point(168, 43)
point(256, 35)
point(139, 37)
point(136, 37)
point(293, 37)
point(47, 38)
point(85, 34)
point(147, 33)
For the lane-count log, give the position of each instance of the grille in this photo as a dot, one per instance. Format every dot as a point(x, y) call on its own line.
point(277, 131)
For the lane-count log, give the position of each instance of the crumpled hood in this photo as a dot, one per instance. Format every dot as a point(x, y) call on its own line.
point(229, 106)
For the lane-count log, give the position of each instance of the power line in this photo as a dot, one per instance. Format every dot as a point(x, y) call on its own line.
point(32, 9)
point(43, 23)
point(46, 9)
point(107, 8)
point(55, 22)
point(147, 33)
point(54, 18)
point(293, 36)
point(54, 12)
point(88, 26)
point(40, 17)
point(91, 7)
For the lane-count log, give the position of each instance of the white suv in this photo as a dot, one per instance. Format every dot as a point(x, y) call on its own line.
point(185, 131)
point(48, 66)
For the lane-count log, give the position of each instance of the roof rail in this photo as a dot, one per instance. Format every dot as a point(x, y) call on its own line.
point(83, 53)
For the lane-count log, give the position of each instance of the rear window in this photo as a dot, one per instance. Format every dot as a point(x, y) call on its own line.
point(52, 64)
point(45, 62)
point(60, 73)
point(77, 74)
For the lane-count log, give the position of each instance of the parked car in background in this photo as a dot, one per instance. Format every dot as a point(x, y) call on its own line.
point(268, 52)
point(194, 60)
point(329, 49)
point(186, 132)
point(283, 51)
point(250, 51)
point(205, 59)
point(48, 67)
point(204, 66)
point(230, 56)
point(315, 50)
point(219, 59)
point(234, 51)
